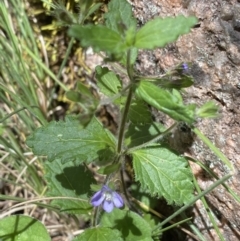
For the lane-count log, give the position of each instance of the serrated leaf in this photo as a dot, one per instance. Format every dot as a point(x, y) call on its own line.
point(139, 112)
point(99, 37)
point(139, 134)
point(22, 228)
point(159, 32)
point(69, 180)
point(131, 225)
point(166, 102)
point(119, 16)
point(163, 173)
point(68, 141)
point(108, 82)
point(99, 234)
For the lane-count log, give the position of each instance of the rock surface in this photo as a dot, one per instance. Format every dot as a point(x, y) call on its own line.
point(213, 48)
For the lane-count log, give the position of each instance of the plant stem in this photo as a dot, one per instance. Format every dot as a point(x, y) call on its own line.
point(123, 121)
point(19, 110)
point(127, 104)
point(95, 216)
point(213, 148)
point(129, 65)
point(69, 48)
point(124, 188)
point(211, 173)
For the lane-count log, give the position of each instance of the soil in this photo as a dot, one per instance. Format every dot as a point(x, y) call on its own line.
point(213, 49)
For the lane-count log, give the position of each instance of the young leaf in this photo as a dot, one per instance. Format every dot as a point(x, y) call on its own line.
point(163, 173)
point(166, 102)
point(22, 228)
point(183, 81)
point(99, 234)
point(208, 110)
point(159, 32)
point(66, 140)
point(99, 37)
point(133, 57)
point(108, 83)
point(139, 112)
point(69, 180)
point(132, 226)
point(119, 16)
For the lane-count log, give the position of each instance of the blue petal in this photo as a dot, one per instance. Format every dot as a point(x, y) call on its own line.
point(117, 200)
point(108, 206)
point(105, 188)
point(97, 198)
point(185, 66)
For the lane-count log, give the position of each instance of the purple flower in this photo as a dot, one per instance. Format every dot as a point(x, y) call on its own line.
point(107, 198)
point(185, 66)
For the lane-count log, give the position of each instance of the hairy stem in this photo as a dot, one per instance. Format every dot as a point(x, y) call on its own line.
point(123, 121)
point(127, 104)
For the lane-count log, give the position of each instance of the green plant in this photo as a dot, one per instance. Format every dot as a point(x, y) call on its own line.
point(71, 145)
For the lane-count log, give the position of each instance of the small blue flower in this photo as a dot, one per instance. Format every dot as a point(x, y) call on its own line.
point(185, 66)
point(107, 198)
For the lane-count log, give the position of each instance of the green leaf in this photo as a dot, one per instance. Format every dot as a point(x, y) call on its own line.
point(109, 169)
point(163, 173)
point(141, 195)
point(99, 234)
point(68, 141)
point(177, 95)
point(159, 32)
point(208, 110)
point(105, 157)
point(138, 134)
point(139, 112)
point(69, 180)
point(92, 9)
point(180, 82)
point(119, 16)
point(133, 57)
point(73, 96)
point(22, 228)
point(84, 90)
point(166, 102)
point(131, 225)
point(99, 37)
point(108, 82)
